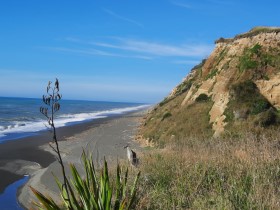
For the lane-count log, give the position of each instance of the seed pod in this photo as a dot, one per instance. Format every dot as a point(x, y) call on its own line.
point(56, 84)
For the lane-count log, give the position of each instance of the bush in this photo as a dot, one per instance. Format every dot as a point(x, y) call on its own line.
point(229, 115)
point(211, 74)
point(202, 98)
point(247, 60)
point(256, 49)
point(268, 118)
point(247, 94)
point(166, 115)
point(259, 106)
point(246, 102)
point(200, 65)
point(244, 91)
point(247, 63)
point(184, 86)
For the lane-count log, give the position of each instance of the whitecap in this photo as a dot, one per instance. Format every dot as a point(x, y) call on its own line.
point(63, 120)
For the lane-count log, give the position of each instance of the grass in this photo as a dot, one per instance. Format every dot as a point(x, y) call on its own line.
point(247, 60)
point(179, 121)
point(253, 32)
point(166, 115)
point(225, 173)
point(183, 87)
point(211, 74)
point(189, 169)
point(256, 62)
point(164, 101)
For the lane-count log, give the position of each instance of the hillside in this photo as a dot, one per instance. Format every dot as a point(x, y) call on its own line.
point(237, 88)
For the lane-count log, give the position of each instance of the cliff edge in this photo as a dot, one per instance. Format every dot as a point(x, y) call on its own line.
point(236, 88)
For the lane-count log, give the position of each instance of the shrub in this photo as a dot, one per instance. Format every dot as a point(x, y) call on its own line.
point(259, 106)
point(256, 49)
point(166, 115)
point(247, 60)
point(200, 65)
point(244, 91)
point(211, 74)
point(165, 101)
point(202, 98)
point(184, 86)
point(267, 118)
point(246, 102)
point(229, 115)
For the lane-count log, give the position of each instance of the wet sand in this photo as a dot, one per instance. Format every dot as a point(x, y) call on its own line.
point(34, 157)
point(20, 152)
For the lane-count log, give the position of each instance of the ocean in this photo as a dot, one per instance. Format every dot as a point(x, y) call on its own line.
point(8, 199)
point(21, 117)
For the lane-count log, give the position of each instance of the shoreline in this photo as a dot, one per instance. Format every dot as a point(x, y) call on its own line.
point(27, 150)
point(101, 137)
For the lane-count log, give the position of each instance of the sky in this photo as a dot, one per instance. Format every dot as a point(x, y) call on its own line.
point(115, 50)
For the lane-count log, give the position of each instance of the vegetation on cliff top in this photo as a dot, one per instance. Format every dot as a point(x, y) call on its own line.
point(253, 32)
point(237, 170)
point(254, 62)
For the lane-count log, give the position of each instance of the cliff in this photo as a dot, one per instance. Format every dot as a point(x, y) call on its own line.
point(235, 89)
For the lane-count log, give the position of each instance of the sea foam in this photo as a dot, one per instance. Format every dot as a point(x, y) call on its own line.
point(17, 127)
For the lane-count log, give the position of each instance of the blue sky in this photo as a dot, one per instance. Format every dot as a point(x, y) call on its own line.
point(118, 50)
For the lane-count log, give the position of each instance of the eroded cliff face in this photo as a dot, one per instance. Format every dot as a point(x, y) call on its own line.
point(253, 56)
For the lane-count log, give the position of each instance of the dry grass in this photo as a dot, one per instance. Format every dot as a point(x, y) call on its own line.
point(180, 121)
point(213, 174)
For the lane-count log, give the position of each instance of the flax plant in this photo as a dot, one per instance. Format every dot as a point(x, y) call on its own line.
point(89, 192)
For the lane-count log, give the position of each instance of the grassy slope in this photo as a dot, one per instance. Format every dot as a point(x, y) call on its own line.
point(213, 174)
point(173, 121)
point(195, 171)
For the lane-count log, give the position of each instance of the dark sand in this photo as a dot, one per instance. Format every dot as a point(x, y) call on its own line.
point(15, 153)
point(33, 156)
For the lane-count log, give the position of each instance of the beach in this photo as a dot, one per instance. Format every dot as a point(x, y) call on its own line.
point(33, 156)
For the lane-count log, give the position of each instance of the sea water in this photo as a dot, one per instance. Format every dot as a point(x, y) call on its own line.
point(20, 117)
point(8, 199)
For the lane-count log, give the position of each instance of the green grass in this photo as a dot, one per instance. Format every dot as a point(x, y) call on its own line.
point(247, 60)
point(184, 86)
point(182, 121)
point(164, 101)
point(253, 32)
point(256, 61)
point(211, 74)
point(166, 115)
